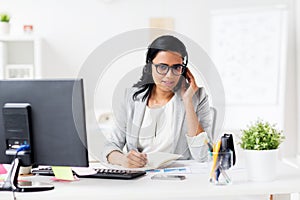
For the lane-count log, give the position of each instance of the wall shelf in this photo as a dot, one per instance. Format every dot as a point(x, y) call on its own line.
point(20, 57)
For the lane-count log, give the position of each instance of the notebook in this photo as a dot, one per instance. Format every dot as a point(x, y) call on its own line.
point(155, 160)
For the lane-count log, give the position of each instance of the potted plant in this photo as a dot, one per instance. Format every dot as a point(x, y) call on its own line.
point(4, 23)
point(260, 142)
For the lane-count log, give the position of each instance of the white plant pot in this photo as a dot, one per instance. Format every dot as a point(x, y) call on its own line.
point(4, 28)
point(261, 165)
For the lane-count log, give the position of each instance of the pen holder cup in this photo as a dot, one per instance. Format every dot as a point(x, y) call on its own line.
point(219, 164)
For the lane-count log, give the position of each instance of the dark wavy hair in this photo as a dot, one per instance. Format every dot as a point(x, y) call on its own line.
point(162, 43)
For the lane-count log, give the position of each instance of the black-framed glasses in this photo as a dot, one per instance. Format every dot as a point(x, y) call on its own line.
point(163, 69)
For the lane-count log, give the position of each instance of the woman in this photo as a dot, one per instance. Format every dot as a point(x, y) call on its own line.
point(164, 111)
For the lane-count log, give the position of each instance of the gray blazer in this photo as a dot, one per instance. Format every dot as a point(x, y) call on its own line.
point(129, 118)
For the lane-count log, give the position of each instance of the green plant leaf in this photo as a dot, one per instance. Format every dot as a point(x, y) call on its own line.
point(261, 136)
point(4, 17)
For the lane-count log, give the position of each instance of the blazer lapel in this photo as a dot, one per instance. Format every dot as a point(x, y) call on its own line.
point(139, 111)
point(179, 114)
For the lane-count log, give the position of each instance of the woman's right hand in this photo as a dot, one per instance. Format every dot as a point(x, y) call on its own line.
point(134, 159)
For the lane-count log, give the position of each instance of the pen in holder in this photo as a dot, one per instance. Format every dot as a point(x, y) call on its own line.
point(221, 158)
point(220, 163)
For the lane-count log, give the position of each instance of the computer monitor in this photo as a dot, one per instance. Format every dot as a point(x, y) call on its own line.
point(54, 113)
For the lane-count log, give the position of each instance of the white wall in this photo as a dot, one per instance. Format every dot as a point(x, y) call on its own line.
point(297, 53)
point(289, 147)
point(72, 29)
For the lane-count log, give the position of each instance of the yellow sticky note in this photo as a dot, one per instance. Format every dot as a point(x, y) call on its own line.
point(63, 173)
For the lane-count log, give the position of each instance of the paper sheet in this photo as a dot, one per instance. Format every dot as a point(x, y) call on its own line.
point(172, 170)
point(2, 169)
point(82, 171)
point(155, 160)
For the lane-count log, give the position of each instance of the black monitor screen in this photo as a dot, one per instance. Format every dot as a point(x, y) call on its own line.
point(57, 118)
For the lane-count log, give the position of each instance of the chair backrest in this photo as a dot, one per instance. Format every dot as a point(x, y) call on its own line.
point(213, 114)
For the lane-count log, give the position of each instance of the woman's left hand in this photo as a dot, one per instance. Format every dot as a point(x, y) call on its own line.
point(188, 93)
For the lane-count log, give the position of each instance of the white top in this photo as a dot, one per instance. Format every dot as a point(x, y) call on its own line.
point(156, 133)
point(130, 116)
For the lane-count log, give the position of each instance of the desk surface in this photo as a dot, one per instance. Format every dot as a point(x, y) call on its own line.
point(195, 185)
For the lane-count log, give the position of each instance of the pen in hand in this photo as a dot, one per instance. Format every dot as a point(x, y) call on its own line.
point(136, 159)
point(210, 147)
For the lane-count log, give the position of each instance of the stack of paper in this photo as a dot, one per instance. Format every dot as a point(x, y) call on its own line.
point(155, 160)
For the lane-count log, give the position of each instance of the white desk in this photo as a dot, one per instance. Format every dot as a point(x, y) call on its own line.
point(195, 186)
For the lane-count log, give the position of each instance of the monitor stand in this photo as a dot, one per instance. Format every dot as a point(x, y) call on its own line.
point(11, 182)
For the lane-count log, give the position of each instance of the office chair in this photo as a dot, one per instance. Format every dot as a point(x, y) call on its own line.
point(213, 113)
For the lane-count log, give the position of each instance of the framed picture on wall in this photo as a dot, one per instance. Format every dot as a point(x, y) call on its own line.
point(164, 23)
